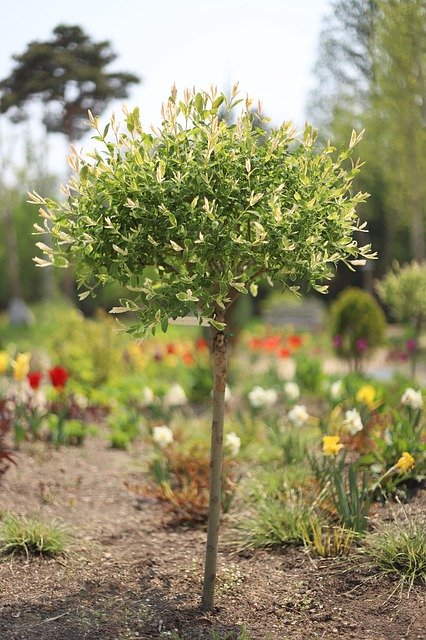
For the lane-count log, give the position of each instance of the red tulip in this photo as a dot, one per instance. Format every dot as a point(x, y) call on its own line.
point(284, 353)
point(58, 377)
point(255, 343)
point(201, 344)
point(295, 341)
point(271, 343)
point(34, 379)
point(188, 358)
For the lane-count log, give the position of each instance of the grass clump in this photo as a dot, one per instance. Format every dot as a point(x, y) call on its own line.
point(119, 440)
point(327, 541)
point(273, 523)
point(400, 549)
point(277, 512)
point(28, 536)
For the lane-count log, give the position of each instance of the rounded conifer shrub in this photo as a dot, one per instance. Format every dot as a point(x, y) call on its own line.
point(358, 325)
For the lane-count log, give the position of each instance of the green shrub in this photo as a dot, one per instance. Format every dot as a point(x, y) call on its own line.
point(126, 421)
point(404, 290)
point(119, 440)
point(32, 537)
point(358, 325)
point(75, 432)
point(400, 549)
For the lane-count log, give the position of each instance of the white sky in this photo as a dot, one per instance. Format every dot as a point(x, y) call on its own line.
point(268, 46)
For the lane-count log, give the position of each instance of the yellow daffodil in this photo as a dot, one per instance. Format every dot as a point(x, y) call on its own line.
point(366, 394)
point(4, 361)
point(21, 366)
point(331, 445)
point(406, 462)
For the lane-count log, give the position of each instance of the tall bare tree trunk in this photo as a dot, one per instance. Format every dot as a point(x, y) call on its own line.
point(15, 281)
point(219, 350)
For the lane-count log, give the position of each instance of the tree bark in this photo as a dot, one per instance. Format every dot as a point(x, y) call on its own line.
point(219, 352)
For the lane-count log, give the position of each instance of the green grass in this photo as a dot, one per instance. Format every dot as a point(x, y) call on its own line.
point(273, 523)
point(399, 549)
point(119, 440)
point(28, 536)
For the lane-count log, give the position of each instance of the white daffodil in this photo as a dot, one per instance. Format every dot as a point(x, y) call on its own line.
point(298, 415)
point(292, 391)
point(412, 398)
point(353, 422)
point(175, 396)
point(163, 436)
point(233, 443)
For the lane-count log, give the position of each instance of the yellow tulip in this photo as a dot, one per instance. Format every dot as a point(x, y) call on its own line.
point(366, 394)
point(331, 445)
point(4, 361)
point(21, 366)
point(406, 462)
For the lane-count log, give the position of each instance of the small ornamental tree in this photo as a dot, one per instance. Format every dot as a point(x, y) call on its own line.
point(358, 326)
point(404, 290)
point(195, 213)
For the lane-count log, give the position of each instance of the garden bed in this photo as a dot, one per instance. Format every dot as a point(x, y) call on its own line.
point(129, 577)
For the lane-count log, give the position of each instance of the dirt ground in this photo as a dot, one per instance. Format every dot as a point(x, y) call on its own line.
point(128, 577)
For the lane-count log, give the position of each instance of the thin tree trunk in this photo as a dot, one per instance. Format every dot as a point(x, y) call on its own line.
point(219, 350)
point(12, 256)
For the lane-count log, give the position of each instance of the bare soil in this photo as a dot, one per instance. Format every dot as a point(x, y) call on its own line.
point(129, 577)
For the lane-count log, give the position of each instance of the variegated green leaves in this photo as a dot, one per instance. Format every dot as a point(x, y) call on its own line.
point(192, 214)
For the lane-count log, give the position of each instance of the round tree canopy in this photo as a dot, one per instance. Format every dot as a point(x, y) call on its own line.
point(191, 214)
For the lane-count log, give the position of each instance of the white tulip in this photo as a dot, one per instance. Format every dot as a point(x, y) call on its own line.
point(292, 391)
point(412, 398)
point(233, 442)
point(147, 397)
point(163, 436)
point(175, 397)
point(259, 397)
point(336, 390)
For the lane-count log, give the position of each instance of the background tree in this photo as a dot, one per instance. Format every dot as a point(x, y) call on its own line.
point(17, 218)
point(398, 113)
point(344, 69)
point(68, 74)
point(370, 74)
point(197, 213)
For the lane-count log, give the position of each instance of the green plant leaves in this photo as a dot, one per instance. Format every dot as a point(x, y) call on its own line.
point(206, 206)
